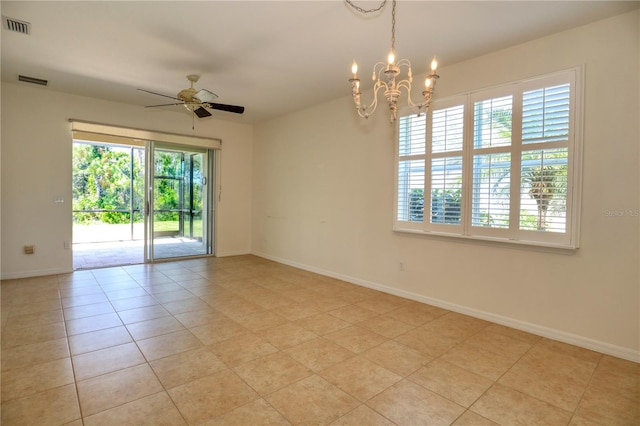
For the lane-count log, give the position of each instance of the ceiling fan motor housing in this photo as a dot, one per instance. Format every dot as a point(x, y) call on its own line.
point(187, 95)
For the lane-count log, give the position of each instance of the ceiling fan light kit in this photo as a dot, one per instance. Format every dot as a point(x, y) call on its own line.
point(385, 76)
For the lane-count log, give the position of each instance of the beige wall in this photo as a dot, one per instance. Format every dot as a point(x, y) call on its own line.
point(36, 167)
point(323, 194)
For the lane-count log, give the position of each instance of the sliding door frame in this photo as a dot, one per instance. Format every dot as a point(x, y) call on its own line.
point(141, 137)
point(210, 199)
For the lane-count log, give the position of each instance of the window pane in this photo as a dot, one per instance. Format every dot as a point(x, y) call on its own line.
point(492, 122)
point(543, 190)
point(446, 190)
point(411, 135)
point(491, 183)
point(545, 114)
point(411, 190)
point(447, 129)
point(474, 177)
point(101, 179)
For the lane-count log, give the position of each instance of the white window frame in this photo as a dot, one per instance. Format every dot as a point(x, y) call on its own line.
point(513, 235)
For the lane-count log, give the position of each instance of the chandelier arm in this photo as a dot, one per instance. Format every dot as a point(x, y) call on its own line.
point(406, 85)
point(403, 63)
point(378, 72)
point(374, 104)
point(367, 110)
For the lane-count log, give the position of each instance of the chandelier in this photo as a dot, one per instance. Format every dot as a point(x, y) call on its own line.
point(387, 76)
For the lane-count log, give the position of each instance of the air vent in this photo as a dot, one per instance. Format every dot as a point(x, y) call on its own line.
point(32, 80)
point(16, 26)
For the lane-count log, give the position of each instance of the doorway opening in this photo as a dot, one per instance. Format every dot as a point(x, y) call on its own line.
point(135, 203)
point(108, 200)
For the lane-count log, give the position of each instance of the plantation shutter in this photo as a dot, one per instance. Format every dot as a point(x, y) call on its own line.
point(491, 186)
point(545, 114)
point(447, 136)
point(499, 164)
point(543, 175)
point(410, 168)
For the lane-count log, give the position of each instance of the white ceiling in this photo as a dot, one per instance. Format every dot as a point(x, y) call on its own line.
point(273, 57)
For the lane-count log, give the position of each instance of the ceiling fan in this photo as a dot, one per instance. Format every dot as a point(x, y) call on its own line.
point(197, 101)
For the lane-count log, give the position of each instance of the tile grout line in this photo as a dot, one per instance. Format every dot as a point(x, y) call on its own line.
point(155, 374)
point(73, 367)
point(575, 411)
point(439, 357)
point(494, 382)
point(521, 392)
point(109, 301)
point(228, 368)
point(137, 346)
point(279, 350)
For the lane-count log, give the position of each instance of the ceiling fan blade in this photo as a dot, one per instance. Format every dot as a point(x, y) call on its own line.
point(161, 105)
point(205, 96)
point(228, 108)
point(201, 112)
point(159, 94)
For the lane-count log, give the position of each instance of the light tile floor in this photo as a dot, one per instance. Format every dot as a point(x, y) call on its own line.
point(245, 341)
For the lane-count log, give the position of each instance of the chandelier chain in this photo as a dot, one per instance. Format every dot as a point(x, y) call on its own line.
point(377, 9)
point(361, 10)
point(393, 26)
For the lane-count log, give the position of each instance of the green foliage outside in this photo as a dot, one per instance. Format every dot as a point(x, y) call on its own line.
point(446, 205)
point(101, 181)
point(416, 205)
point(168, 172)
point(102, 177)
point(545, 183)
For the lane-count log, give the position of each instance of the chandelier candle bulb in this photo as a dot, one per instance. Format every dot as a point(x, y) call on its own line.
point(354, 70)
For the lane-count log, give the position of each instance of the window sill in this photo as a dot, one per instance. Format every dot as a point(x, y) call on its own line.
point(491, 241)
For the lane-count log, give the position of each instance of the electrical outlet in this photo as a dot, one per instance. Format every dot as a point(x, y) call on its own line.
point(401, 266)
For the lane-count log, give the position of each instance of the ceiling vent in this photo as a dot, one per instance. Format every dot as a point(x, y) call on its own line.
point(16, 25)
point(33, 80)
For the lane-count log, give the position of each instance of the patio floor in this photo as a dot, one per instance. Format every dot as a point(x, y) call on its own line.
point(119, 253)
point(91, 248)
point(114, 253)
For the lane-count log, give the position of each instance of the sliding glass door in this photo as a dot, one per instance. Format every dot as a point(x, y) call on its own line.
point(179, 219)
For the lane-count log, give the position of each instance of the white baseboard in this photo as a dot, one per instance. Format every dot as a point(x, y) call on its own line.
point(37, 273)
point(233, 253)
point(554, 334)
